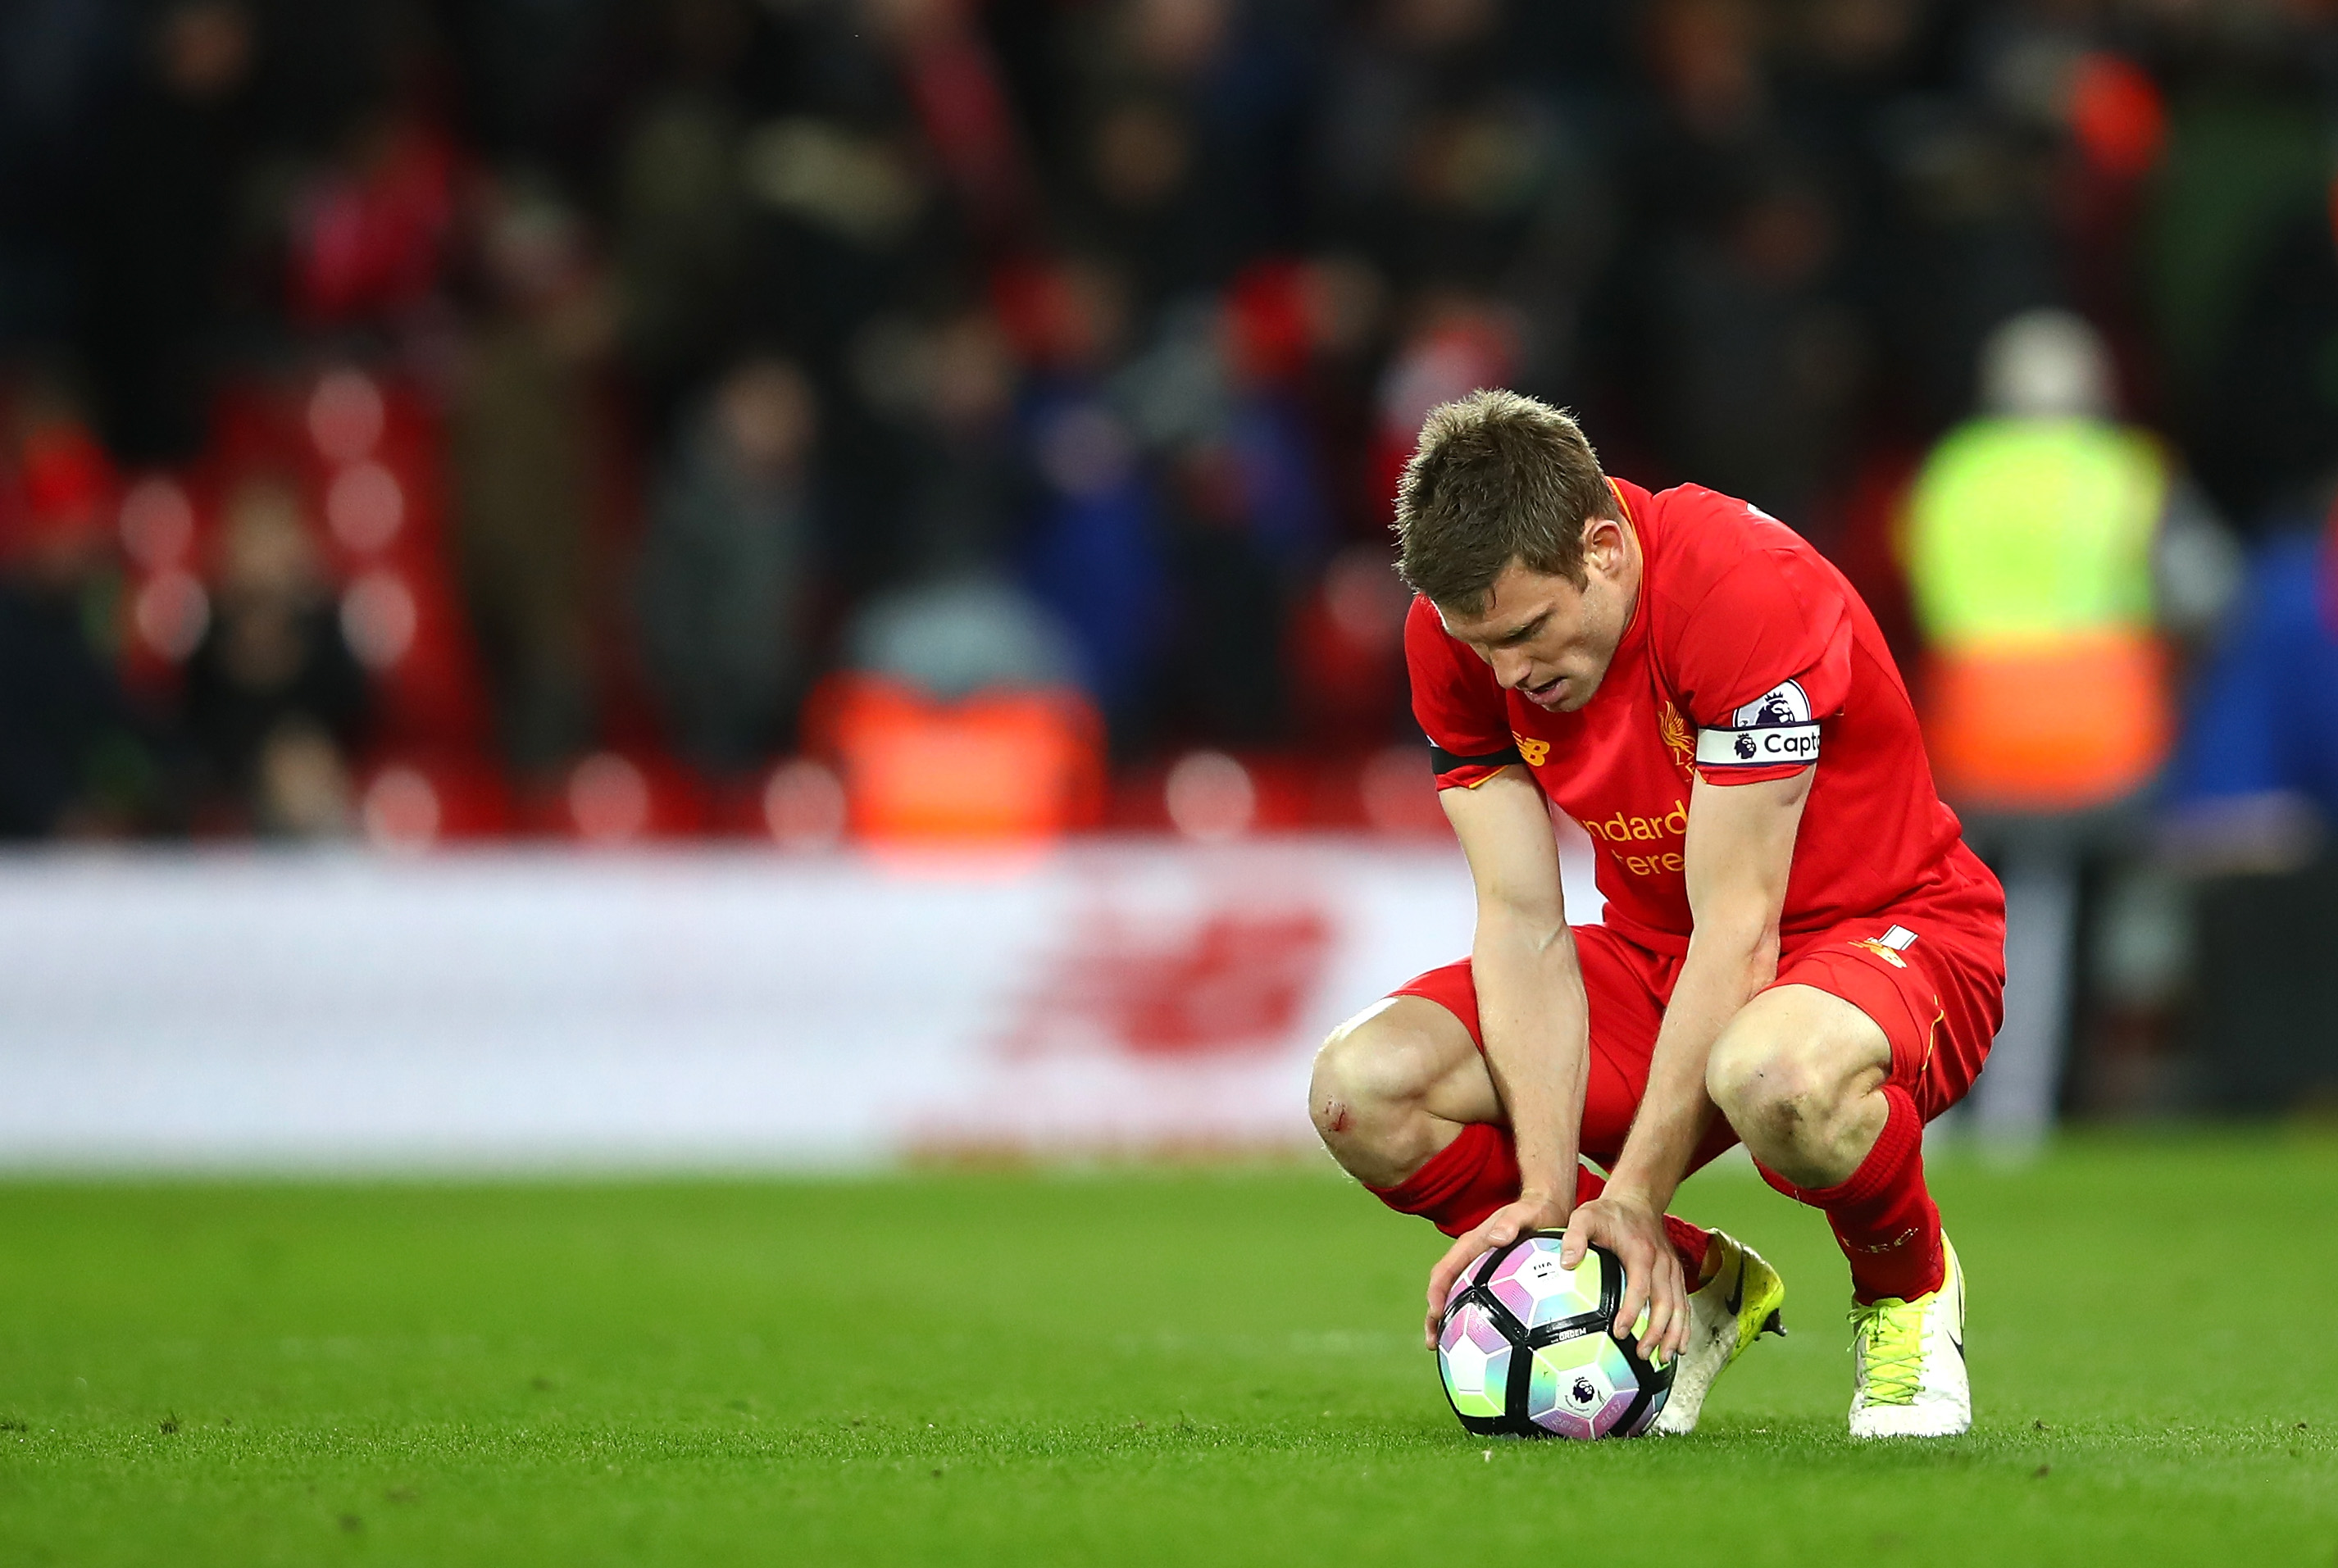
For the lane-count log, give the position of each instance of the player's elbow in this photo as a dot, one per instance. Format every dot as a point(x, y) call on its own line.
point(1519, 921)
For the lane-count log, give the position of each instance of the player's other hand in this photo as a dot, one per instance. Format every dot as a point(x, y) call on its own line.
point(1502, 1227)
point(1652, 1269)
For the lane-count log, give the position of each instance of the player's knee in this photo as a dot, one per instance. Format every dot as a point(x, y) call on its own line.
point(1353, 1076)
point(1368, 1073)
point(1772, 1088)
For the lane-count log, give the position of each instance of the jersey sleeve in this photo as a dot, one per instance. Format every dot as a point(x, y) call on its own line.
point(1762, 660)
point(1456, 703)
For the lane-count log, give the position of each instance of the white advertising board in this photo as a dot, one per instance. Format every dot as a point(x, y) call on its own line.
point(705, 1008)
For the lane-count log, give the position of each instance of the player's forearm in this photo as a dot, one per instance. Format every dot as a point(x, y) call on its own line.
point(1535, 1025)
point(1724, 970)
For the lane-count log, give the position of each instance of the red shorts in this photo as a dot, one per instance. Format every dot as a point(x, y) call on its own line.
point(1933, 980)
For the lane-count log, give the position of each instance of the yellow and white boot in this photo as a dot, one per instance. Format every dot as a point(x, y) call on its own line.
point(1726, 1315)
point(1910, 1380)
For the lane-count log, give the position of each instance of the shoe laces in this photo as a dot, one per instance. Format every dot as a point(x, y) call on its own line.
point(1889, 1337)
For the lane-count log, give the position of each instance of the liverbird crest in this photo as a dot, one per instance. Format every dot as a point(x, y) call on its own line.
point(1678, 736)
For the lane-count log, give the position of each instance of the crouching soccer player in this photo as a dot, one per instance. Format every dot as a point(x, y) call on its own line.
point(1799, 950)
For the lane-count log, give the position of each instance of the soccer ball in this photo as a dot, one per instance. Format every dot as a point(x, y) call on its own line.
point(1525, 1347)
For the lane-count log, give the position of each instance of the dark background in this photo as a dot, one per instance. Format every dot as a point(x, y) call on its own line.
point(708, 347)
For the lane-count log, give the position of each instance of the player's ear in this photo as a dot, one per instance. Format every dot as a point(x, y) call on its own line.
point(1602, 546)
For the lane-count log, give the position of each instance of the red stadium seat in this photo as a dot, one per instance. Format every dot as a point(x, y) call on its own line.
point(1000, 766)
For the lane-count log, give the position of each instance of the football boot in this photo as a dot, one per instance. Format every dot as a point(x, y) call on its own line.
point(1726, 1314)
point(1909, 1380)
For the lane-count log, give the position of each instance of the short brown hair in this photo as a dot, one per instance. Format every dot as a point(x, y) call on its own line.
point(1498, 477)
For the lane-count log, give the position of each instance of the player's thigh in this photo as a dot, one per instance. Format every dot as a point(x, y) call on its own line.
point(1408, 1042)
point(1404, 1053)
point(1623, 986)
point(1796, 1048)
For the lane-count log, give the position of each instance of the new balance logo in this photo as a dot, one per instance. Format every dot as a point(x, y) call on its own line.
point(1890, 946)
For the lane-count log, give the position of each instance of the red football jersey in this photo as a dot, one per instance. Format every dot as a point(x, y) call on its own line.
point(1748, 657)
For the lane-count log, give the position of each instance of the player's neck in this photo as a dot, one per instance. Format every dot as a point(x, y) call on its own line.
point(1635, 575)
point(1636, 556)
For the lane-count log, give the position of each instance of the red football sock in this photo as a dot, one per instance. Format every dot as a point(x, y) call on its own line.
point(1478, 1172)
point(1884, 1219)
point(1692, 1242)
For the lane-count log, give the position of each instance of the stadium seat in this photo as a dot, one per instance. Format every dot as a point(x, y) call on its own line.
point(996, 768)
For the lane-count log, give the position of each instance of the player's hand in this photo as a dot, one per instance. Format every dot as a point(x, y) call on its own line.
point(1500, 1227)
point(1652, 1269)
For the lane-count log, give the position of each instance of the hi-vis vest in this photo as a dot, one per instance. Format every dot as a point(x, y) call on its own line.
point(2029, 553)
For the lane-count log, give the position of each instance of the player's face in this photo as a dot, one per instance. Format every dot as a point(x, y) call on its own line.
point(1548, 640)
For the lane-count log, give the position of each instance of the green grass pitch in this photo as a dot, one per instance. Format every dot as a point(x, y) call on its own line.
point(1156, 1365)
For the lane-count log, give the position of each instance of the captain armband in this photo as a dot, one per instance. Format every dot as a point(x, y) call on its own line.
point(1773, 731)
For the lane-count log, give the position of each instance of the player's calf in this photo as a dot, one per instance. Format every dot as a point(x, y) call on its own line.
point(1402, 1100)
point(1802, 1076)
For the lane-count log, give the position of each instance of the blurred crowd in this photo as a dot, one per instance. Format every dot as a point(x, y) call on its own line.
point(444, 417)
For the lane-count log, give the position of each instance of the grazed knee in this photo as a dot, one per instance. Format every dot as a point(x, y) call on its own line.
point(1365, 1099)
point(1361, 1076)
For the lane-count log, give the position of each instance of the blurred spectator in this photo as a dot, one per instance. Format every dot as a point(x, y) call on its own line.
point(680, 203)
point(949, 394)
point(2252, 799)
point(1347, 660)
point(2033, 532)
point(1428, 159)
point(276, 702)
point(1094, 557)
point(525, 469)
point(1193, 133)
point(75, 759)
point(725, 566)
point(959, 622)
point(2254, 785)
point(951, 83)
point(2030, 542)
point(368, 231)
point(1454, 344)
point(1243, 517)
point(960, 633)
point(1148, 199)
point(1971, 153)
